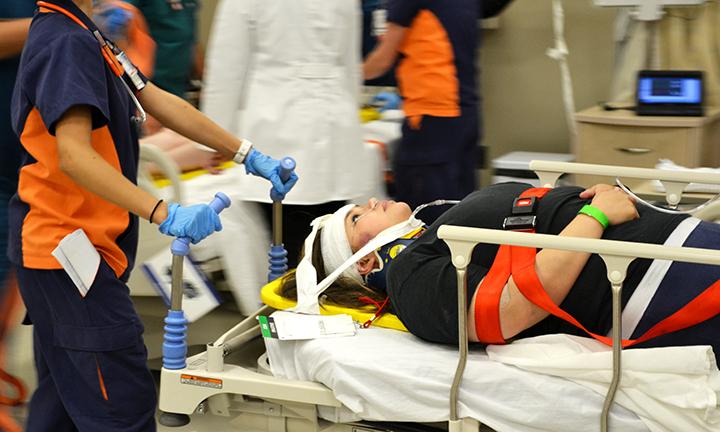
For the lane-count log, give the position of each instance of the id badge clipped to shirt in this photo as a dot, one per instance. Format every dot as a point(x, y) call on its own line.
point(130, 70)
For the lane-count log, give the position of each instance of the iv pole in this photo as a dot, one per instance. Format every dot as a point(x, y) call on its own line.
point(649, 12)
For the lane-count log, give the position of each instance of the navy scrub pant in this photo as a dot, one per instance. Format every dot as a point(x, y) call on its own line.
point(436, 160)
point(89, 355)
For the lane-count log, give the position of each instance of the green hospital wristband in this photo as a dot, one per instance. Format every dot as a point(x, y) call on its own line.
point(596, 214)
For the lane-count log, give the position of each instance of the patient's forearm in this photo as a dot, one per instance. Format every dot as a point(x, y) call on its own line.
point(189, 157)
point(165, 139)
point(557, 270)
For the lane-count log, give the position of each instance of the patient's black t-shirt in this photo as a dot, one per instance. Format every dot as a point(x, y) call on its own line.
point(422, 282)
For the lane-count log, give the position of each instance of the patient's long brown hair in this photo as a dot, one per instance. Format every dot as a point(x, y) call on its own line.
point(344, 291)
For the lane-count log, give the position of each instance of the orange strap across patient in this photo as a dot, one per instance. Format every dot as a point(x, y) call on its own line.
point(487, 302)
point(519, 262)
point(703, 307)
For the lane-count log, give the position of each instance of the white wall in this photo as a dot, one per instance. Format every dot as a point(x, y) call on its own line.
point(521, 85)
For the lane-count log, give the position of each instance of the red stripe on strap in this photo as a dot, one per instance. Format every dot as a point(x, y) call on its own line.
point(487, 300)
point(703, 307)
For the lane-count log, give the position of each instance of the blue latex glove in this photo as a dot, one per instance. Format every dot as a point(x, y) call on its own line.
point(194, 222)
point(114, 22)
point(260, 165)
point(386, 100)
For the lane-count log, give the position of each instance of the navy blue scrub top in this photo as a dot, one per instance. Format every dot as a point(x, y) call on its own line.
point(9, 143)
point(61, 67)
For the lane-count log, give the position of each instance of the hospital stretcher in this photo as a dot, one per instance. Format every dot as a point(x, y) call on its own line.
point(233, 377)
point(245, 234)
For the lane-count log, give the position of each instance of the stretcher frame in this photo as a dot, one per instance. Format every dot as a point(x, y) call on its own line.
point(267, 403)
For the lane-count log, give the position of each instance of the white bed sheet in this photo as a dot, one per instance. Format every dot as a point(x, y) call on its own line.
point(390, 375)
point(671, 388)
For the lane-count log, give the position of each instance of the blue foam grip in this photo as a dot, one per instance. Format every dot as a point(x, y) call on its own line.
point(174, 340)
point(175, 336)
point(278, 262)
point(287, 165)
point(278, 254)
point(220, 202)
point(181, 245)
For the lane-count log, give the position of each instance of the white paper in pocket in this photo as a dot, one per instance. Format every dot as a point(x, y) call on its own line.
point(81, 261)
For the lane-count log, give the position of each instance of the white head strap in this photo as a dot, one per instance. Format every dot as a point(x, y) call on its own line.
point(337, 257)
point(335, 245)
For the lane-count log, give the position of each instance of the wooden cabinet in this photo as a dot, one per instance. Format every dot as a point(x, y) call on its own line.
point(623, 138)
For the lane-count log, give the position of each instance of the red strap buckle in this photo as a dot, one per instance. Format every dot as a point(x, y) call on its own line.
point(524, 205)
point(487, 303)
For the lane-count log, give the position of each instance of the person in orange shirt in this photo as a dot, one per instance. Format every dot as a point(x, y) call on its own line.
point(76, 107)
point(437, 41)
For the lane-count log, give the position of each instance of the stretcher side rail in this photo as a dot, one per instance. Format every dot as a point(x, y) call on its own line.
point(168, 168)
point(674, 182)
point(616, 254)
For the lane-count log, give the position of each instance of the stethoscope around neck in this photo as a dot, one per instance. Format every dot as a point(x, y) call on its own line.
point(113, 56)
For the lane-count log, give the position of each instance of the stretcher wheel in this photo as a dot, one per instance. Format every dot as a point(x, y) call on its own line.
point(173, 419)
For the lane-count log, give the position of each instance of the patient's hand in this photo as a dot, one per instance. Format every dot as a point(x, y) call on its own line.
point(618, 206)
point(594, 190)
point(214, 162)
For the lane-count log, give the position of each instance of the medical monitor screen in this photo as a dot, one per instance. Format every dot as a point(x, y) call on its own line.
point(669, 92)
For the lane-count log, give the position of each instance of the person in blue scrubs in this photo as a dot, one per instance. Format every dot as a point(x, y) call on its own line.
point(73, 108)
point(14, 24)
point(435, 44)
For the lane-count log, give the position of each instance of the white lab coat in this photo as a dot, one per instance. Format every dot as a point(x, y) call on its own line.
point(286, 75)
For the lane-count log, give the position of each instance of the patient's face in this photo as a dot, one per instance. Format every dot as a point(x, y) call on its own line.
point(365, 222)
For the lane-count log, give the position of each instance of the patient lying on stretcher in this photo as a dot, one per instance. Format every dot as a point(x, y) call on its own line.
point(413, 276)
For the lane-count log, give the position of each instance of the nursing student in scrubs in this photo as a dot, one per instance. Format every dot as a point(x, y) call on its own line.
point(79, 158)
point(435, 44)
